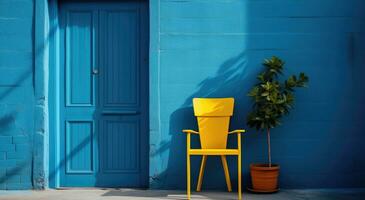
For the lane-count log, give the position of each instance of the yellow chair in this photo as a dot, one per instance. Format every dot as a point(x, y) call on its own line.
point(213, 115)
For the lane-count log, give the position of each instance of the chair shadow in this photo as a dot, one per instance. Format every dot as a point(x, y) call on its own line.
point(230, 81)
point(167, 194)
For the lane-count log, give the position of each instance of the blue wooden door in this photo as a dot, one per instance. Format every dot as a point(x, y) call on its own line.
point(104, 94)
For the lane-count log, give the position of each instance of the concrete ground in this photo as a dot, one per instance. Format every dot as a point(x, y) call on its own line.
point(132, 194)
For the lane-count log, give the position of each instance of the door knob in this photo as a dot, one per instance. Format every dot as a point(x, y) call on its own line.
point(95, 71)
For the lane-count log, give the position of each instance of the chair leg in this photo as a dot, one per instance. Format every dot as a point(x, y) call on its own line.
point(226, 173)
point(188, 165)
point(239, 177)
point(188, 176)
point(201, 173)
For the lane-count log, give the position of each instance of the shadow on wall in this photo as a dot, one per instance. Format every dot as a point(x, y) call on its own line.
point(13, 123)
point(230, 81)
point(20, 122)
point(233, 78)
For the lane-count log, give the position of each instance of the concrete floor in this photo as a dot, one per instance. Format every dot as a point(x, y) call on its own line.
point(132, 194)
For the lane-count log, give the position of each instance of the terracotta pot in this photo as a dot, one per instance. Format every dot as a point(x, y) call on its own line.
point(264, 178)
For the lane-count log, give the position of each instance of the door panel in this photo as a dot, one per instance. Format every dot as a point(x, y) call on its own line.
point(79, 44)
point(103, 81)
point(120, 148)
point(79, 137)
point(119, 33)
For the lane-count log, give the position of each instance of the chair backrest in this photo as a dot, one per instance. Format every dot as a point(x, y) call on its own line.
point(213, 116)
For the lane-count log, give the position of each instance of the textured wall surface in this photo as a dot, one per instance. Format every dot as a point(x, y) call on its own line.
point(16, 94)
point(214, 48)
point(210, 48)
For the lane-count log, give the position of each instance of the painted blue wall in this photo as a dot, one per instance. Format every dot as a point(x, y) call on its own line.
point(16, 94)
point(214, 49)
point(208, 49)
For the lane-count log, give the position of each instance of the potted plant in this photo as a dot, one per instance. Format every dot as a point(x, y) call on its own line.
point(273, 99)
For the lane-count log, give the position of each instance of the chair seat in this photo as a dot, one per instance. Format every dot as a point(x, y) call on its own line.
point(213, 152)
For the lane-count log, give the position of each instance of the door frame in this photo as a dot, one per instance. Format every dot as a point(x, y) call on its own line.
point(48, 30)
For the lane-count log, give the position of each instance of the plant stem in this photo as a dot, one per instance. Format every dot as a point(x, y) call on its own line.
point(269, 146)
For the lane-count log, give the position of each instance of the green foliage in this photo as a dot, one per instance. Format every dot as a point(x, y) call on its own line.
point(273, 99)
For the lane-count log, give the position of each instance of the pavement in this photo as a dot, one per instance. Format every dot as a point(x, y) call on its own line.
point(133, 194)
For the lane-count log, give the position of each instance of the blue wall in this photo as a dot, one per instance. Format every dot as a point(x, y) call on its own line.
point(16, 94)
point(214, 49)
point(209, 48)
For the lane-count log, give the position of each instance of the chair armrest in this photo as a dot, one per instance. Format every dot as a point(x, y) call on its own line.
point(237, 131)
point(190, 131)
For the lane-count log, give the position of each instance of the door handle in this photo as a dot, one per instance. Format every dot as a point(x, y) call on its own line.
point(95, 71)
